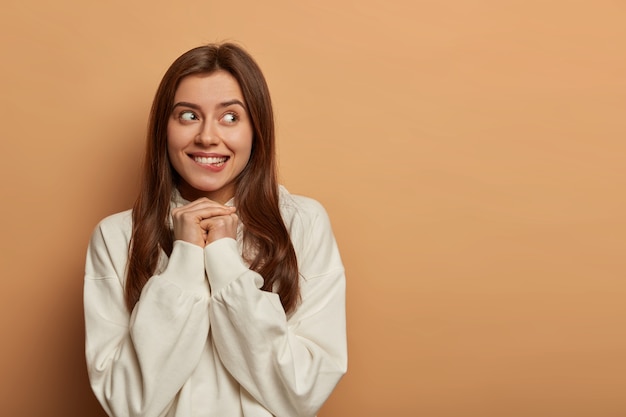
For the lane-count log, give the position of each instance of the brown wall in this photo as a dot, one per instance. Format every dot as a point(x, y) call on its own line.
point(471, 155)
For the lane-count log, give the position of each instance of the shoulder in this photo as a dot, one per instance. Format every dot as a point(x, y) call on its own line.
point(297, 209)
point(121, 219)
point(305, 218)
point(311, 235)
point(108, 248)
point(114, 229)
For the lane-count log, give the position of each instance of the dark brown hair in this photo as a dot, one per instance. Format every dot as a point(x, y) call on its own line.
point(266, 239)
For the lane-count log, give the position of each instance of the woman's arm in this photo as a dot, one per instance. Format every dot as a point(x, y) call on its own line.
point(138, 362)
point(289, 365)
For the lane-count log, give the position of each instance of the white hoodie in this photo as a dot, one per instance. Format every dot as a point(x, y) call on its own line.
point(203, 339)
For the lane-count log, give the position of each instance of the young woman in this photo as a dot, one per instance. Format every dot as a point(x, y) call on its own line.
point(219, 294)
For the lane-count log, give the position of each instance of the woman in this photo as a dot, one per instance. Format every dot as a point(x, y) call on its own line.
point(219, 294)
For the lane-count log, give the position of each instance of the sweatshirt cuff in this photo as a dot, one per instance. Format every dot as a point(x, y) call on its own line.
point(185, 267)
point(224, 264)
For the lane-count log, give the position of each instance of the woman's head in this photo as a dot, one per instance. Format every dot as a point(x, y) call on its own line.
point(198, 63)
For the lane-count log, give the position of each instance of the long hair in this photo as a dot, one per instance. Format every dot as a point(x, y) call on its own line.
point(265, 237)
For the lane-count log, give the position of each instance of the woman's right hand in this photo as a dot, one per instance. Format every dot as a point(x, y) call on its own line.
point(188, 220)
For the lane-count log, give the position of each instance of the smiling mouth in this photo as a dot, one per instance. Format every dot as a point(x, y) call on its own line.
point(216, 161)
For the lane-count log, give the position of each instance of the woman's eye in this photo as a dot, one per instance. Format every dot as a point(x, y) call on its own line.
point(230, 118)
point(188, 116)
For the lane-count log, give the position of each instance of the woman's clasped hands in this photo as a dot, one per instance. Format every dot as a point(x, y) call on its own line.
point(204, 221)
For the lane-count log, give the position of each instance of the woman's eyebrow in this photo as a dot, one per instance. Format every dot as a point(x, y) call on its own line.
point(186, 104)
point(231, 102)
point(197, 107)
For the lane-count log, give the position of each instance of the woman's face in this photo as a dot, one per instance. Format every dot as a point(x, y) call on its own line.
point(209, 135)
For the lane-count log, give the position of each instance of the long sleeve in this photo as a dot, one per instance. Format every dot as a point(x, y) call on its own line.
point(289, 365)
point(138, 362)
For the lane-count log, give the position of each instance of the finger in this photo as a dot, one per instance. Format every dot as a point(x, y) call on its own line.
point(226, 220)
point(220, 227)
point(201, 212)
point(204, 202)
point(196, 204)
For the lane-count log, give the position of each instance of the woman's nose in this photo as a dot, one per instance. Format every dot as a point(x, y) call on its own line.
point(208, 134)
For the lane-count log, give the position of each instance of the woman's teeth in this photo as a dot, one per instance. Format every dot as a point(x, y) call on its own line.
point(210, 160)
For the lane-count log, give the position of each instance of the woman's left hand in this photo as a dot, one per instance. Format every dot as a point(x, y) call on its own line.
point(218, 227)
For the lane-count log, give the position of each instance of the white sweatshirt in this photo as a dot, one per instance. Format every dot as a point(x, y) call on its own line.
point(216, 346)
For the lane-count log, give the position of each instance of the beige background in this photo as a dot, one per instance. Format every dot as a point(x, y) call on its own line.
point(471, 155)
